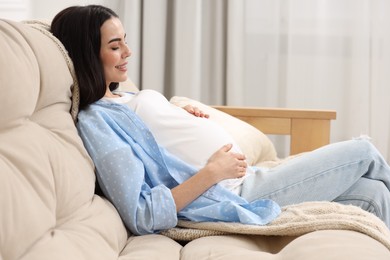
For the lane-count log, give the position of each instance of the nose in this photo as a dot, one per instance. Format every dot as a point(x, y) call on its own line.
point(127, 52)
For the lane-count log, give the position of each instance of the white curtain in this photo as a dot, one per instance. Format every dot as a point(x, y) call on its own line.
point(319, 54)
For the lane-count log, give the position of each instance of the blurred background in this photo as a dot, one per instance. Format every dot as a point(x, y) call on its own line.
point(318, 54)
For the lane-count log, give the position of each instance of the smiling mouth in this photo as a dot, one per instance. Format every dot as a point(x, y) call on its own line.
point(121, 67)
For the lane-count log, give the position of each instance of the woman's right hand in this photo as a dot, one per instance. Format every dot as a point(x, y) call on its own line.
point(224, 164)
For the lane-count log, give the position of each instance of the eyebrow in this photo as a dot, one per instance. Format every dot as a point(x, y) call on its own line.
point(116, 39)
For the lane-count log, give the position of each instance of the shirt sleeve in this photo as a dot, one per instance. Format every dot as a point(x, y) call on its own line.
point(121, 175)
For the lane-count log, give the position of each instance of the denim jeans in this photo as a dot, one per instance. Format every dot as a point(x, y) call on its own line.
point(350, 172)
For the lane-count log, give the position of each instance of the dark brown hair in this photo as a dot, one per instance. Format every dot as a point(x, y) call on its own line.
point(78, 28)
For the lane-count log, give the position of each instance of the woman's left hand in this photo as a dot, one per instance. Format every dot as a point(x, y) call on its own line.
point(195, 111)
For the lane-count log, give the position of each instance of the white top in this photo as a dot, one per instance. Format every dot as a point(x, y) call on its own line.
point(190, 138)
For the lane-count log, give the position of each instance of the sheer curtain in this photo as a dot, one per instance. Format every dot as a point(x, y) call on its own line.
point(325, 54)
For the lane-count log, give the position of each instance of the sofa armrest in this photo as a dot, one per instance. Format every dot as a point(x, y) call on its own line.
point(308, 129)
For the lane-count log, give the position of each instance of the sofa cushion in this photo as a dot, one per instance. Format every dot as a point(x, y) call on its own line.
point(256, 146)
point(48, 206)
point(319, 245)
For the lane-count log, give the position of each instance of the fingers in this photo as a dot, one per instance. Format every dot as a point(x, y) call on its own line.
point(240, 158)
point(241, 163)
point(242, 166)
point(189, 109)
point(241, 170)
point(227, 164)
point(226, 147)
point(199, 113)
point(195, 111)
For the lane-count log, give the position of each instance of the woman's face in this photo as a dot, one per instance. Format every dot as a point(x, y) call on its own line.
point(114, 51)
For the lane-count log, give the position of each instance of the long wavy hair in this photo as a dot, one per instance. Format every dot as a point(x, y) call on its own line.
point(78, 28)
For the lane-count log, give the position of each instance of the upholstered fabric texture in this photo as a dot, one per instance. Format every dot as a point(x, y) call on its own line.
point(48, 206)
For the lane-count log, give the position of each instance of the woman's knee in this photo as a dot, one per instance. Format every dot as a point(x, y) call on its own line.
point(370, 195)
point(365, 146)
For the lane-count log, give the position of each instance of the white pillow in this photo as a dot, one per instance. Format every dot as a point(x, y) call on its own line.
point(256, 146)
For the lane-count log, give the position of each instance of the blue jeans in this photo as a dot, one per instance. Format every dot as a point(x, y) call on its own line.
point(350, 172)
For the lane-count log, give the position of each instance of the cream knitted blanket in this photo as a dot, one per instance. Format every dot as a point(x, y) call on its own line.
point(295, 220)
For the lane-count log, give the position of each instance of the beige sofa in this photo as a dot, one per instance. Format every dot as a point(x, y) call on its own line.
point(48, 206)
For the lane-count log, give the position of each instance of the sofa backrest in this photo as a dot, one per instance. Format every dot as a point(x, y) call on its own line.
point(48, 206)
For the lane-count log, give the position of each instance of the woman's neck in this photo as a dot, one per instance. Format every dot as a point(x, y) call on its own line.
point(109, 94)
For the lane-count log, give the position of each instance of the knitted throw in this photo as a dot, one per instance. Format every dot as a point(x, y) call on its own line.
point(295, 220)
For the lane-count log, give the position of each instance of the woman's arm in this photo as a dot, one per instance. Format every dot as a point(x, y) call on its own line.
point(121, 174)
point(222, 165)
point(132, 174)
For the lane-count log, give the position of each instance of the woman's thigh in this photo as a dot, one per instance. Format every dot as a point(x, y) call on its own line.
point(323, 174)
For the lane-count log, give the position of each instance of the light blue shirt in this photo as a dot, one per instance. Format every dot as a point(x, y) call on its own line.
point(136, 175)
